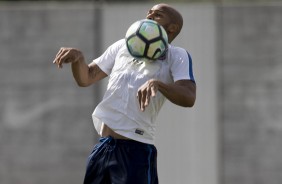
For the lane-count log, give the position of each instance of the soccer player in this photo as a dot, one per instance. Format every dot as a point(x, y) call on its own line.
point(125, 118)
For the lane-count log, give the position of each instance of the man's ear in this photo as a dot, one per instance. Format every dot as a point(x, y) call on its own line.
point(173, 28)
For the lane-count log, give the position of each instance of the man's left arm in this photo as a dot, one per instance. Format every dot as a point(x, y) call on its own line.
point(181, 92)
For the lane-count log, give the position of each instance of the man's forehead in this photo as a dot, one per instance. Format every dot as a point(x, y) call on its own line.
point(159, 8)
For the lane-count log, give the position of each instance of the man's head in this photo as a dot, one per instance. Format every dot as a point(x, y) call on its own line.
point(168, 17)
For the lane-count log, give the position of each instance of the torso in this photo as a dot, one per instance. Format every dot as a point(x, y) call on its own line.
point(120, 107)
point(107, 131)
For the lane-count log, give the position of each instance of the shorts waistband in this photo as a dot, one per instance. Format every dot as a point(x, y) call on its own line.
point(110, 139)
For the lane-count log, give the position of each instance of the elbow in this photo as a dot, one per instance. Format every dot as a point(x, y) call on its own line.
point(189, 105)
point(82, 84)
point(190, 102)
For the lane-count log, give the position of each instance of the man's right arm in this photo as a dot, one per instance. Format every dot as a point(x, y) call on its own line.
point(83, 74)
point(86, 75)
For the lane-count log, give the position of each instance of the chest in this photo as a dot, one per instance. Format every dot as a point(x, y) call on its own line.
point(137, 72)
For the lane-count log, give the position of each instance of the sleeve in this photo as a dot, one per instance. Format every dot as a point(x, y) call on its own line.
point(181, 67)
point(107, 59)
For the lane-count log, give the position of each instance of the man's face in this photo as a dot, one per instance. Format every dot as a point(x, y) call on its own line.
point(159, 14)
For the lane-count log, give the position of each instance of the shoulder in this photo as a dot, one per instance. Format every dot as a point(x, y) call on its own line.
point(178, 54)
point(175, 51)
point(118, 44)
point(114, 48)
point(180, 63)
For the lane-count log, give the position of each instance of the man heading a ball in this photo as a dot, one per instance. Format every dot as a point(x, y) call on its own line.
point(125, 118)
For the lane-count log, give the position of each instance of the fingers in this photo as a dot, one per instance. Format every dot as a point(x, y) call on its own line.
point(60, 51)
point(153, 91)
point(145, 92)
point(143, 98)
point(58, 59)
point(63, 56)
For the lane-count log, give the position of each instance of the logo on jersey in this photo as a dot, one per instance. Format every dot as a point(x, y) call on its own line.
point(140, 132)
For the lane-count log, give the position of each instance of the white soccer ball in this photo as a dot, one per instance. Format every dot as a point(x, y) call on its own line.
point(146, 40)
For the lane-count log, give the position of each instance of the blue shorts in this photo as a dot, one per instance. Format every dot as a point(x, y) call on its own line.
point(116, 161)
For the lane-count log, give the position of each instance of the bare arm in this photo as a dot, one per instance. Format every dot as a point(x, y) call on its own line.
point(182, 92)
point(83, 74)
point(86, 75)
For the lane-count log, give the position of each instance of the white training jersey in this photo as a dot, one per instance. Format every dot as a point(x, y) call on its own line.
point(119, 108)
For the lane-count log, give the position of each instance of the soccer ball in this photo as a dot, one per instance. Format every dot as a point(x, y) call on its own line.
point(146, 40)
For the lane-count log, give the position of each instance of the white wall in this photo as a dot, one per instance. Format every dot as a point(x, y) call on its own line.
point(187, 139)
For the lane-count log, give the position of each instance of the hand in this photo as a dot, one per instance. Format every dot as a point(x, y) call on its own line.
point(146, 91)
point(67, 55)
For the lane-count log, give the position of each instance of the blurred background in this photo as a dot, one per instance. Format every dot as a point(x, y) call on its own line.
point(232, 135)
